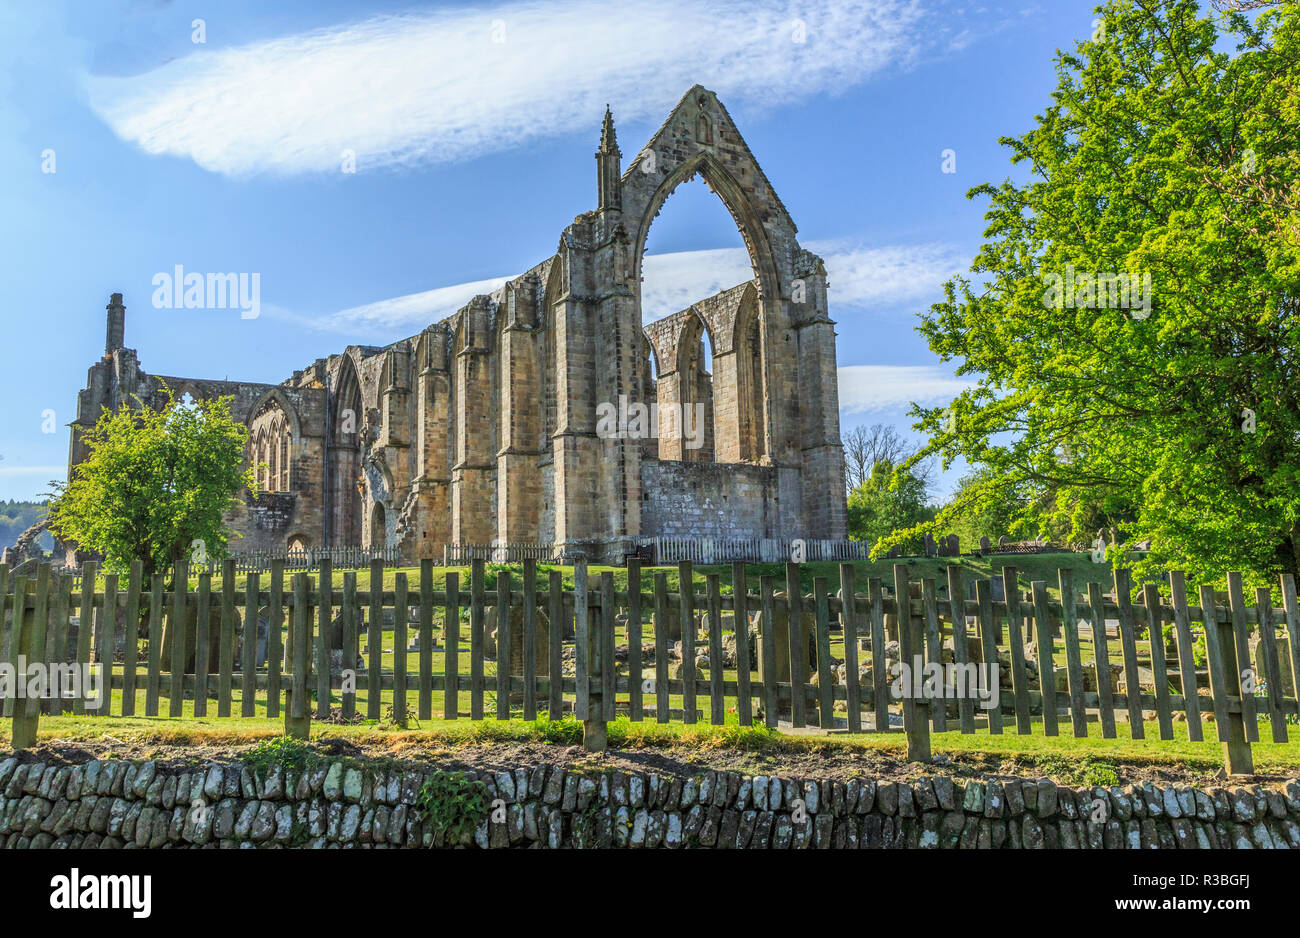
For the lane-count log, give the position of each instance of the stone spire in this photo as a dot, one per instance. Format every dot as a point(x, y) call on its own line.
point(116, 335)
point(609, 167)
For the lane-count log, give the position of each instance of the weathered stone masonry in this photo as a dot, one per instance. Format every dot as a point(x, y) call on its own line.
point(115, 803)
point(483, 428)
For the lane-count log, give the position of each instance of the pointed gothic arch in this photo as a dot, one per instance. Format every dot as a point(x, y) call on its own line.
point(733, 197)
point(554, 290)
point(695, 388)
point(273, 426)
point(751, 438)
point(345, 453)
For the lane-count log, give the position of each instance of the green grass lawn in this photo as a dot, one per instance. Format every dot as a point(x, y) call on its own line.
point(1030, 567)
point(1062, 756)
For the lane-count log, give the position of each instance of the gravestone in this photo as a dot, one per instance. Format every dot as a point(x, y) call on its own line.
point(986, 545)
point(781, 637)
point(191, 625)
point(997, 590)
point(263, 637)
point(673, 620)
point(541, 646)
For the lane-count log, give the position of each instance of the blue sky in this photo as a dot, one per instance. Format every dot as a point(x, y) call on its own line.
point(473, 130)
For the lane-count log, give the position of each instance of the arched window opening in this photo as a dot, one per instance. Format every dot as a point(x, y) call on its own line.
point(649, 395)
point(268, 448)
point(704, 130)
point(695, 270)
point(284, 461)
point(696, 394)
point(749, 386)
point(346, 482)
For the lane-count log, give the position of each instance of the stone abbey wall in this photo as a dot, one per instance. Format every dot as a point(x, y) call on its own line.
point(485, 426)
point(115, 803)
point(710, 500)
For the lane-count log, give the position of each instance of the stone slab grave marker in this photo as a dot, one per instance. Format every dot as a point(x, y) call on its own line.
point(998, 590)
point(542, 646)
point(191, 625)
point(781, 634)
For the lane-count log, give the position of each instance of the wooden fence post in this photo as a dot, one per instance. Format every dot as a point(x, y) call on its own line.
point(31, 647)
point(180, 591)
point(1225, 682)
point(588, 660)
point(911, 634)
point(297, 715)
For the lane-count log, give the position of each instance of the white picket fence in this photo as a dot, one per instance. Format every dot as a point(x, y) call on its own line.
point(342, 558)
point(754, 549)
point(667, 550)
point(454, 555)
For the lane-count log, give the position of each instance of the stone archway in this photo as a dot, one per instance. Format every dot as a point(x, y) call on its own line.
point(345, 455)
point(378, 526)
point(732, 195)
point(695, 390)
point(753, 438)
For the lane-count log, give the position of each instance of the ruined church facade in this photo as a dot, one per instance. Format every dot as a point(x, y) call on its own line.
point(486, 426)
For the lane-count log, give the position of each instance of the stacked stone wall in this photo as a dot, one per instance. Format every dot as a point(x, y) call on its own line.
point(359, 803)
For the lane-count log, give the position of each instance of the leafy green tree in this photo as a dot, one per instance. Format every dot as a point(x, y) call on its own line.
point(973, 512)
point(889, 500)
point(1168, 152)
point(154, 482)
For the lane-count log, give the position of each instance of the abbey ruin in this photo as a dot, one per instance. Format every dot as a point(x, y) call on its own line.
point(483, 427)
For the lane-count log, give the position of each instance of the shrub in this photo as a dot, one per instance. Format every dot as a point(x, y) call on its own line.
point(452, 805)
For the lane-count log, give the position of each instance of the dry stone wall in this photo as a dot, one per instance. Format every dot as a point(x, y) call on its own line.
point(120, 804)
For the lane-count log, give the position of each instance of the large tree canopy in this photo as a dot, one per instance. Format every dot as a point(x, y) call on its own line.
point(154, 482)
point(1168, 154)
point(888, 500)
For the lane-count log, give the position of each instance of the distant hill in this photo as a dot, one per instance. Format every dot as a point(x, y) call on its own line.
point(16, 517)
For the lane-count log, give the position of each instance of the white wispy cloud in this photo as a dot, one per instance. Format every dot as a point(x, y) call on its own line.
point(47, 472)
point(415, 310)
point(861, 278)
point(436, 86)
point(674, 281)
point(875, 277)
point(881, 388)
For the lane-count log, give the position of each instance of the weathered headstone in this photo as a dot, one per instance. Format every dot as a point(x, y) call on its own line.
point(191, 625)
point(541, 645)
point(781, 636)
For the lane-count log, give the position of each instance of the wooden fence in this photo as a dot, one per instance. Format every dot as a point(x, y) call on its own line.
point(557, 651)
